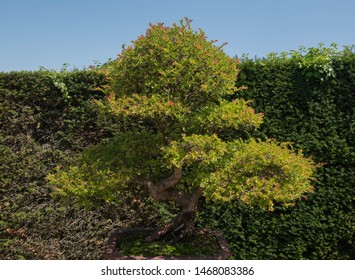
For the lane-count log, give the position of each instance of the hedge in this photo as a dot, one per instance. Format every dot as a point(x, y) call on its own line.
point(308, 98)
point(47, 117)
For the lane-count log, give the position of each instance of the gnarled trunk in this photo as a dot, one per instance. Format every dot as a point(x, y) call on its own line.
point(185, 220)
point(165, 191)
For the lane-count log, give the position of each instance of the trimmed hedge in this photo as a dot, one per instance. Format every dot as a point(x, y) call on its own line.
point(315, 109)
point(47, 117)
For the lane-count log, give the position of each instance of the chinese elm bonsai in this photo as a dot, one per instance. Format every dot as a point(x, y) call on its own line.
point(172, 90)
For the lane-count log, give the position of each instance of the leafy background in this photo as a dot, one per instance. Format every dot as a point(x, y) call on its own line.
point(47, 117)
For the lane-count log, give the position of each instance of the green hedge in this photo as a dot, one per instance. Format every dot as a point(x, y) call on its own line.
point(307, 97)
point(39, 129)
point(46, 117)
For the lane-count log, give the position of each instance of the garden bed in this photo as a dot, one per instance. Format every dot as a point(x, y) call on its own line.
point(130, 244)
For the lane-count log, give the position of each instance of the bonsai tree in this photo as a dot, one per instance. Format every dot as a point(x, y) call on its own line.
point(183, 134)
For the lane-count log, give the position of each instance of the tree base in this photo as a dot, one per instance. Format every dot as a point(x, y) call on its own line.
point(111, 253)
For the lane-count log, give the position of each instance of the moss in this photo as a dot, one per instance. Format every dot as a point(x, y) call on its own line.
point(196, 245)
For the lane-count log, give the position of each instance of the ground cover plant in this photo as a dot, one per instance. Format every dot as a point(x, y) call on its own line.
point(170, 91)
point(195, 245)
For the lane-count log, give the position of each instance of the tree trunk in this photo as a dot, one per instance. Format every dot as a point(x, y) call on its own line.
point(183, 223)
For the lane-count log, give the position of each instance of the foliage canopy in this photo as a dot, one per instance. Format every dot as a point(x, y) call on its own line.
point(171, 91)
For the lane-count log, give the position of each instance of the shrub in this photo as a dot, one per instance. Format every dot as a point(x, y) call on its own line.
point(171, 87)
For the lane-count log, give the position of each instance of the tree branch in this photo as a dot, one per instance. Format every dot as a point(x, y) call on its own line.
point(162, 191)
point(171, 181)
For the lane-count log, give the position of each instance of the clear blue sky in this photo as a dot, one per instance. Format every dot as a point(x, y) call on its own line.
point(49, 33)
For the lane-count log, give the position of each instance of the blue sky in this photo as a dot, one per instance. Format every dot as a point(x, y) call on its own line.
point(49, 33)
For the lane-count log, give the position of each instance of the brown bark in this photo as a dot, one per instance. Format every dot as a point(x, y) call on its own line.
point(185, 220)
point(165, 191)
